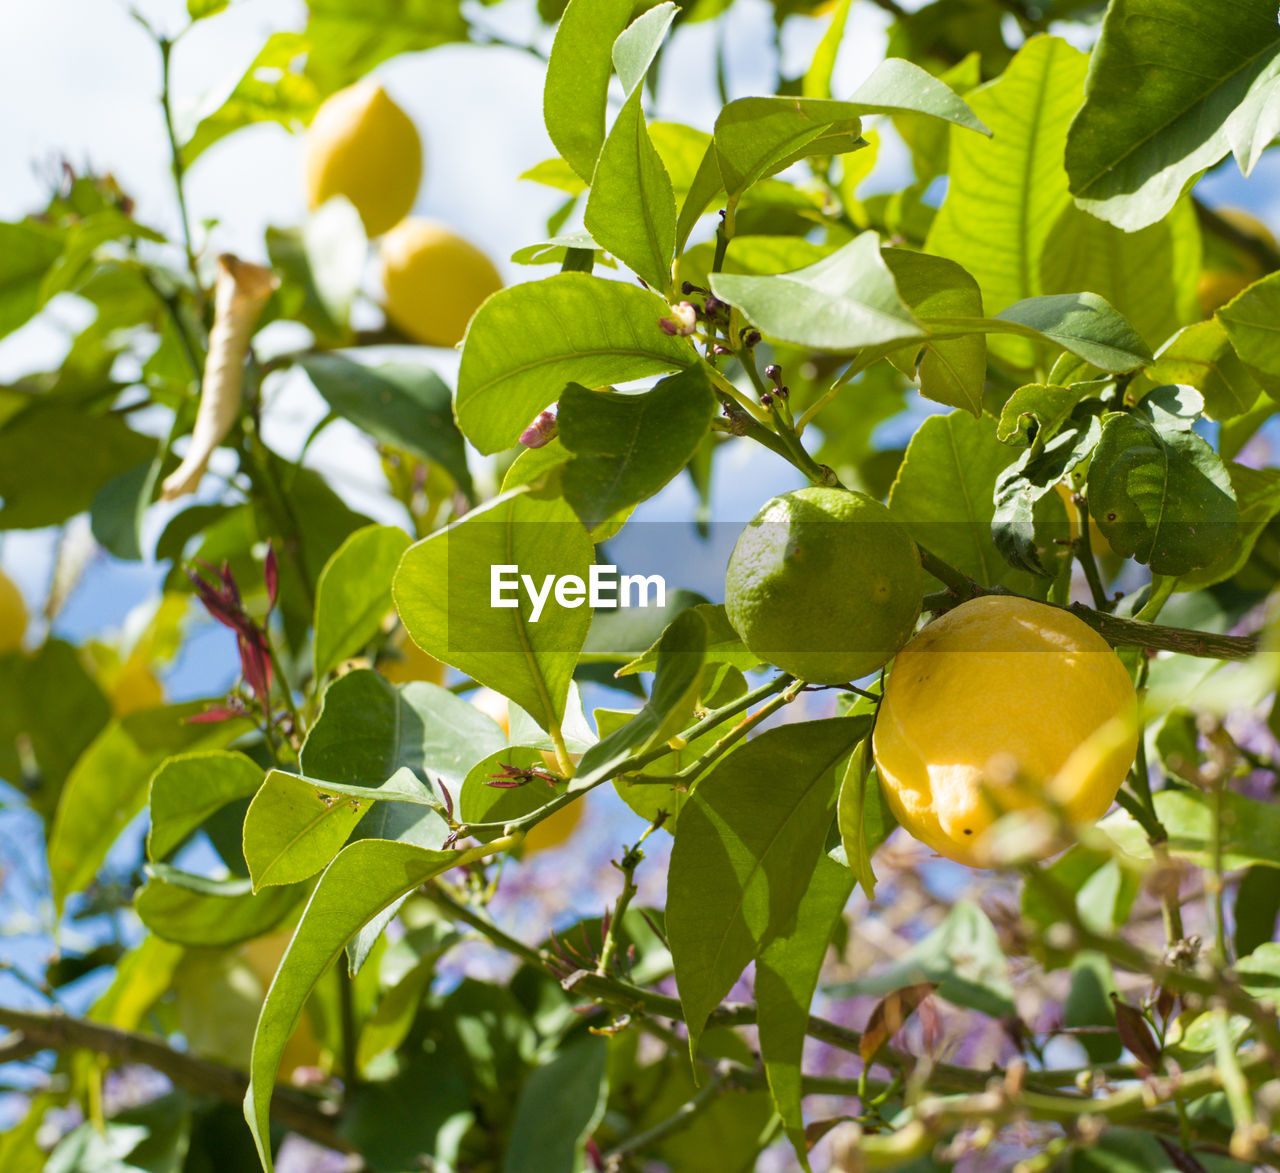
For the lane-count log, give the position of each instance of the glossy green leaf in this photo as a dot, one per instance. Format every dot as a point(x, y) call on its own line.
point(1201, 356)
point(1251, 324)
point(576, 91)
point(647, 799)
point(953, 373)
point(786, 977)
point(406, 406)
point(627, 446)
point(364, 878)
point(481, 802)
point(188, 788)
point(444, 593)
point(944, 488)
point(631, 210)
point(191, 910)
point(962, 957)
point(528, 341)
point(843, 302)
point(368, 729)
point(1257, 492)
point(898, 86)
point(1257, 906)
point(334, 239)
point(862, 816)
point(745, 848)
point(1081, 323)
point(1130, 160)
point(108, 786)
point(353, 595)
point(1039, 409)
point(562, 1100)
point(294, 827)
point(1161, 495)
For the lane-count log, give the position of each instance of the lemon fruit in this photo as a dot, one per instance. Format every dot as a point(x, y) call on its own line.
point(407, 662)
point(434, 281)
point(1229, 269)
point(824, 584)
point(13, 615)
point(1002, 704)
point(135, 687)
point(363, 146)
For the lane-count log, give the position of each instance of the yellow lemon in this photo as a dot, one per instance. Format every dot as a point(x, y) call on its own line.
point(363, 146)
point(824, 584)
point(1229, 268)
point(434, 281)
point(1216, 287)
point(13, 615)
point(409, 662)
point(553, 831)
point(1002, 704)
point(135, 687)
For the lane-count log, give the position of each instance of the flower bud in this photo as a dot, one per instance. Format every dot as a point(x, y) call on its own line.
point(683, 320)
point(541, 432)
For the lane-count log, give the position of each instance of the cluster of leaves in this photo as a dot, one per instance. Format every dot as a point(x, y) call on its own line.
point(1050, 302)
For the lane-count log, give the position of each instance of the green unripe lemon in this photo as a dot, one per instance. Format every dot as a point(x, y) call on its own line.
point(824, 584)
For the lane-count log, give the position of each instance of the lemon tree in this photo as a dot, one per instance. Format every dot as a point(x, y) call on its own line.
point(414, 754)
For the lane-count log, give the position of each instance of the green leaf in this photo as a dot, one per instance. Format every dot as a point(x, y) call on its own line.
point(1081, 323)
point(1257, 906)
point(758, 137)
point(648, 800)
point(898, 86)
point(191, 910)
point(863, 817)
point(747, 842)
point(1161, 495)
point(363, 879)
point(844, 302)
point(637, 46)
point(526, 342)
point(188, 788)
point(816, 82)
point(952, 373)
point(54, 459)
point(199, 9)
point(294, 827)
point(404, 405)
point(1005, 194)
point(944, 489)
point(1042, 406)
point(1250, 829)
point(1130, 160)
point(1257, 493)
point(704, 187)
point(627, 446)
point(108, 787)
point(1201, 356)
point(353, 595)
point(336, 247)
point(27, 250)
point(118, 509)
point(575, 94)
point(444, 594)
point(560, 1104)
point(681, 656)
point(480, 802)
point(631, 210)
point(962, 957)
point(1088, 1004)
point(1251, 324)
point(271, 90)
point(368, 729)
point(786, 977)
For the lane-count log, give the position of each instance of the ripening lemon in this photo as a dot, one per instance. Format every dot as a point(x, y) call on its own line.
point(1002, 703)
point(361, 145)
point(824, 584)
point(13, 615)
point(406, 662)
point(434, 281)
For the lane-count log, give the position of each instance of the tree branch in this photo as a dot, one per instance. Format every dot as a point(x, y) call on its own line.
point(60, 1032)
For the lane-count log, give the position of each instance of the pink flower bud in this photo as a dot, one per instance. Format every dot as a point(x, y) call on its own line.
point(683, 320)
point(542, 431)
